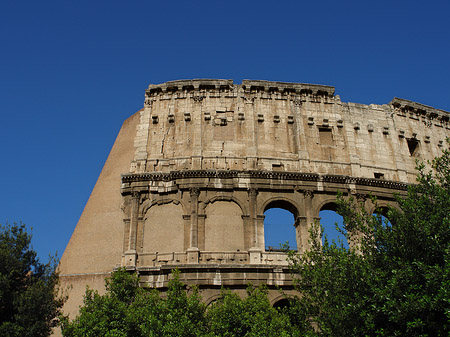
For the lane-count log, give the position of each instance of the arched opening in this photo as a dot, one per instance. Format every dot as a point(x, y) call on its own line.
point(333, 225)
point(383, 214)
point(279, 226)
point(281, 304)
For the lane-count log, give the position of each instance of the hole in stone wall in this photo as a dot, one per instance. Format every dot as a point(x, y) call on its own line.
point(378, 175)
point(413, 147)
point(279, 229)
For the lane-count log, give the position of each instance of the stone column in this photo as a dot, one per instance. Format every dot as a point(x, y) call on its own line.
point(254, 251)
point(193, 251)
point(356, 235)
point(303, 223)
point(131, 254)
point(252, 193)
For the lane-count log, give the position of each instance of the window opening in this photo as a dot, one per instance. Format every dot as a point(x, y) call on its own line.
point(328, 220)
point(325, 136)
point(378, 175)
point(279, 229)
point(413, 147)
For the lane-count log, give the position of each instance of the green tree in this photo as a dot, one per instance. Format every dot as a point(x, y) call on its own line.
point(252, 316)
point(395, 280)
point(128, 310)
point(29, 304)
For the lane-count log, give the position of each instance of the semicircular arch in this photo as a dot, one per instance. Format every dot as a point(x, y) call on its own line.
point(328, 204)
point(383, 206)
point(211, 299)
point(280, 202)
point(147, 204)
point(238, 202)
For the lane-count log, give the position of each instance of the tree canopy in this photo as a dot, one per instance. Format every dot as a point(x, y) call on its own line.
point(29, 305)
point(128, 310)
point(395, 279)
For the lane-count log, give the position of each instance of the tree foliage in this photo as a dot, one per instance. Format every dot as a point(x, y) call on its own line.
point(394, 280)
point(29, 304)
point(128, 310)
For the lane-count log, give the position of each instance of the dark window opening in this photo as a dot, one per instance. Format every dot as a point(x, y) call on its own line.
point(325, 136)
point(413, 146)
point(378, 175)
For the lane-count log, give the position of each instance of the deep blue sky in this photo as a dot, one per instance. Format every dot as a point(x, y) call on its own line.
point(72, 71)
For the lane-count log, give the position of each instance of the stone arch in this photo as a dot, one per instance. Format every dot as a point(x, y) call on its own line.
point(383, 208)
point(211, 299)
point(274, 236)
point(281, 303)
point(328, 220)
point(148, 203)
point(163, 227)
point(327, 204)
point(231, 198)
point(224, 225)
point(276, 299)
point(281, 202)
point(383, 205)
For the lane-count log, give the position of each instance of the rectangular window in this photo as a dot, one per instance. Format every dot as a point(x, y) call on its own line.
point(325, 136)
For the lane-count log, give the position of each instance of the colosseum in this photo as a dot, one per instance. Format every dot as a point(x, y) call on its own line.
point(191, 175)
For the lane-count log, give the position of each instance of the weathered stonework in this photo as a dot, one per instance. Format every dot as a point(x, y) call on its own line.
point(191, 174)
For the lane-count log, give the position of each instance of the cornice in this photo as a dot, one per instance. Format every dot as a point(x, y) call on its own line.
point(405, 106)
point(247, 86)
point(233, 174)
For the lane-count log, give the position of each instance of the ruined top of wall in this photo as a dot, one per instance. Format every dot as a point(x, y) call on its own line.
point(247, 85)
point(214, 124)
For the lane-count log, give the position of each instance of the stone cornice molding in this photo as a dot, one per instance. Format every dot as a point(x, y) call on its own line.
point(248, 86)
point(420, 109)
point(232, 174)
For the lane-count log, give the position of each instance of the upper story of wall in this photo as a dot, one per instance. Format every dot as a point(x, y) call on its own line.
point(262, 125)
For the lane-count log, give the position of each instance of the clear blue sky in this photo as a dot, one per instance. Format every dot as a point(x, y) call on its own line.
point(72, 71)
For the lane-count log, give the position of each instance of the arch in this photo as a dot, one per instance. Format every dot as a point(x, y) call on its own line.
point(383, 205)
point(329, 204)
point(215, 198)
point(211, 299)
point(149, 203)
point(279, 229)
point(276, 299)
point(281, 303)
point(382, 209)
point(163, 230)
point(224, 226)
point(328, 218)
point(281, 202)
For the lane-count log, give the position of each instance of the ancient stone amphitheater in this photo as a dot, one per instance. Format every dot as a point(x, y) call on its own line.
point(190, 176)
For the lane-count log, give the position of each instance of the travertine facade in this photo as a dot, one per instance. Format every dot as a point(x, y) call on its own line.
point(190, 177)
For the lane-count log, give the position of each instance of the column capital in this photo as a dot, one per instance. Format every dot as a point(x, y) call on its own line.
point(308, 193)
point(361, 198)
point(194, 191)
point(253, 191)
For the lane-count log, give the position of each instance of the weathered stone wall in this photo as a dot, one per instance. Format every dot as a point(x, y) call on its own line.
point(190, 176)
point(260, 125)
